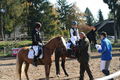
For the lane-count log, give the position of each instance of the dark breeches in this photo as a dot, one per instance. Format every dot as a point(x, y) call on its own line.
point(84, 66)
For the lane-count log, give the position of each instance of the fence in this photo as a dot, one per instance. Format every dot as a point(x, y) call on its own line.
point(114, 75)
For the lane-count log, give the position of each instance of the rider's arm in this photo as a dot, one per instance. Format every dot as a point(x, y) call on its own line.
point(71, 32)
point(34, 39)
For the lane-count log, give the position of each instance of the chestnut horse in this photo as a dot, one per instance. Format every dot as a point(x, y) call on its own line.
point(62, 53)
point(48, 50)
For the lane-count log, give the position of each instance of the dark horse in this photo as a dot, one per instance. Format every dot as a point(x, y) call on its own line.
point(92, 37)
point(48, 50)
point(62, 53)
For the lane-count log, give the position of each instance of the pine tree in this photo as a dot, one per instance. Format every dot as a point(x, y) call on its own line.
point(68, 12)
point(64, 10)
point(42, 11)
point(89, 17)
point(100, 16)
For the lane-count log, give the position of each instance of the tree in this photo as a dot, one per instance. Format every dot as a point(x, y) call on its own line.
point(68, 12)
point(115, 11)
point(63, 9)
point(75, 14)
point(89, 17)
point(100, 16)
point(42, 11)
point(12, 15)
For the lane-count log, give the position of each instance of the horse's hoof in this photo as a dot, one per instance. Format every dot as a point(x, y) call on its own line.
point(66, 75)
point(58, 75)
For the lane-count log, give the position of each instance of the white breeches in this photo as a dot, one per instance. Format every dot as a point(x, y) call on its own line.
point(104, 65)
point(34, 52)
point(68, 45)
point(74, 39)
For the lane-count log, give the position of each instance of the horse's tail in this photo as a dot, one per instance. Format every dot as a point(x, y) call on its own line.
point(19, 63)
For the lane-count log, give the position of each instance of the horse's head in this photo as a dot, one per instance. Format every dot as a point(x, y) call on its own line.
point(92, 37)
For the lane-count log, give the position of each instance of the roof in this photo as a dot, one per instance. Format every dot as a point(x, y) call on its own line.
point(106, 25)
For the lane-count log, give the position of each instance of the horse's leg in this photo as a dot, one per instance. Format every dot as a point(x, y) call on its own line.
point(57, 58)
point(26, 70)
point(47, 70)
point(19, 63)
point(63, 66)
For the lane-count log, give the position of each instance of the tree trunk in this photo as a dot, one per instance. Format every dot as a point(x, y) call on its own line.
point(2, 31)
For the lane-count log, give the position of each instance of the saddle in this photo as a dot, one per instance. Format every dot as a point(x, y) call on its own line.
point(35, 52)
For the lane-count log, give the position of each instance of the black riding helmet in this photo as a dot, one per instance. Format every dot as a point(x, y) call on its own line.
point(38, 25)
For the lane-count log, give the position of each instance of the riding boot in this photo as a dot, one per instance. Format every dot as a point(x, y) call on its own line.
point(35, 61)
point(106, 72)
point(69, 51)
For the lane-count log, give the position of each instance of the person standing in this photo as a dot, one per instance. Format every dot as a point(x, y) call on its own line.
point(106, 56)
point(83, 56)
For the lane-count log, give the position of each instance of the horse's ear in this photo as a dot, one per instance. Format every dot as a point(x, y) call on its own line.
point(59, 38)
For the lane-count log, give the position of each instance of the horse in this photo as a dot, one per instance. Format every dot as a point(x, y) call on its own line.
point(63, 54)
point(92, 37)
point(48, 49)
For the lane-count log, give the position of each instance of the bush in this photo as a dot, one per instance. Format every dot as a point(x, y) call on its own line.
point(14, 44)
point(6, 46)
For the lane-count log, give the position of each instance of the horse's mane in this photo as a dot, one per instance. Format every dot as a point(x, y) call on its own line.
point(51, 40)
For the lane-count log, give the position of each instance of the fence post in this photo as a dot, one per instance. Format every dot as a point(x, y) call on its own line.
point(4, 51)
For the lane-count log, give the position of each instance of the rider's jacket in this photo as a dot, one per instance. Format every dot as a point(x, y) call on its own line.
point(36, 40)
point(74, 34)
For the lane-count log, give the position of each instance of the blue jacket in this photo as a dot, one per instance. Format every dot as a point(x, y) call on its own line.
point(106, 49)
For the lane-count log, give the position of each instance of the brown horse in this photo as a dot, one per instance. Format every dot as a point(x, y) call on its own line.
point(48, 50)
point(63, 53)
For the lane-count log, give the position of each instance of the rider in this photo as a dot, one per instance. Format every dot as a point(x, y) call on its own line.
point(36, 42)
point(74, 35)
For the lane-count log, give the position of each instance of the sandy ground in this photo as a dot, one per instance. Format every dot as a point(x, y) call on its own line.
point(8, 69)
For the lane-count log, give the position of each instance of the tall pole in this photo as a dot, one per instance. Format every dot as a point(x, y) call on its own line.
point(118, 17)
point(115, 32)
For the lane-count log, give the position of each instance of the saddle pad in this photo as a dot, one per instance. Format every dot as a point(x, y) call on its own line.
point(31, 53)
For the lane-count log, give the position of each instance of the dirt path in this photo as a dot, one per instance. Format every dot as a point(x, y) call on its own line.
point(7, 69)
